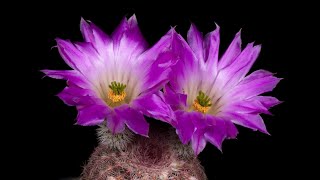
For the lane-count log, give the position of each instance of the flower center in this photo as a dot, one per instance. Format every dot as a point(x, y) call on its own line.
point(116, 93)
point(202, 103)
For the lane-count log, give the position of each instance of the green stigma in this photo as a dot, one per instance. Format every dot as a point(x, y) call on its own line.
point(117, 88)
point(203, 99)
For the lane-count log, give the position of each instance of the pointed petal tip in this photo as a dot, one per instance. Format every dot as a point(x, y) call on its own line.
point(277, 80)
point(173, 29)
point(83, 22)
point(258, 47)
point(193, 30)
point(193, 26)
point(133, 20)
point(238, 34)
point(267, 133)
point(237, 38)
point(217, 26)
point(250, 44)
point(264, 130)
point(57, 39)
point(172, 32)
point(215, 32)
point(61, 42)
point(45, 71)
point(219, 147)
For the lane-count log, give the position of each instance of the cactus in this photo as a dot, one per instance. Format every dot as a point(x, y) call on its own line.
point(155, 157)
point(183, 151)
point(114, 141)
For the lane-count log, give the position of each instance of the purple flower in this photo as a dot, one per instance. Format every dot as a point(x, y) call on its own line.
point(209, 96)
point(112, 75)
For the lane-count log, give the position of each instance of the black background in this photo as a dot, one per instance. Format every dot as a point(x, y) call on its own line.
point(63, 147)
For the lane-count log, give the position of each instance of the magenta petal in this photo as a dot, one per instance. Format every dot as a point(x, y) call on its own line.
point(129, 31)
point(254, 122)
point(158, 73)
point(86, 31)
point(156, 63)
point(232, 52)
point(199, 120)
point(222, 129)
point(256, 75)
point(236, 71)
point(94, 35)
point(153, 105)
point(128, 37)
point(195, 41)
point(79, 56)
point(185, 127)
point(89, 53)
point(247, 89)
point(186, 66)
point(70, 75)
point(134, 32)
point(247, 106)
point(70, 54)
point(215, 135)
point(198, 141)
point(115, 123)
point(74, 96)
point(119, 31)
point(231, 130)
point(175, 100)
point(92, 115)
point(134, 119)
point(267, 101)
point(211, 46)
point(91, 61)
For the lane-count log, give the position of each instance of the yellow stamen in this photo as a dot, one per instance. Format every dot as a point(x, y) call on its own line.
point(200, 108)
point(116, 97)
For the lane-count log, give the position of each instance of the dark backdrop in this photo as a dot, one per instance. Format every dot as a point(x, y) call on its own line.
point(64, 147)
